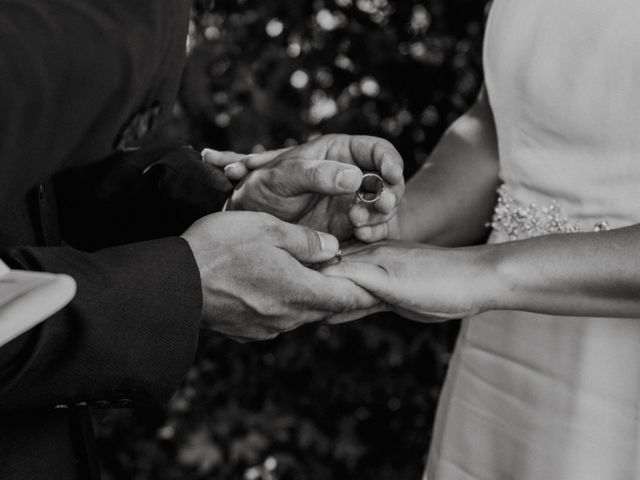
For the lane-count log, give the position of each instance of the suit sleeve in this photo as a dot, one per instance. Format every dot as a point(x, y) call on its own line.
point(66, 72)
point(137, 195)
point(130, 333)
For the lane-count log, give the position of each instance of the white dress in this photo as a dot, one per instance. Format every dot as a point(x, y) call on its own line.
point(533, 396)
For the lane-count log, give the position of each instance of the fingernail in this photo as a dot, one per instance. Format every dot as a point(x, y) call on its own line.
point(207, 151)
point(230, 168)
point(349, 179)
point(328, 243)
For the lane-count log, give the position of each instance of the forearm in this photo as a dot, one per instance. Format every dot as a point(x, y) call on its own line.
point(450, 200)
point(586, 274)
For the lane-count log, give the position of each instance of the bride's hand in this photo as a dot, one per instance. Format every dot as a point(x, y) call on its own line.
point(421, 282)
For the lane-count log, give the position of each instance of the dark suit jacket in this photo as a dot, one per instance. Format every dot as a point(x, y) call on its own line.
point(80, 80)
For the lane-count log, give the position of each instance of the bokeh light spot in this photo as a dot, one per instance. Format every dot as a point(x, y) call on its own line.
point(274, 28)
point(299, 79)
point(370, 87)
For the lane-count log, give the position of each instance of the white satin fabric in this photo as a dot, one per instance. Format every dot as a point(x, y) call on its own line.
point(533, 396)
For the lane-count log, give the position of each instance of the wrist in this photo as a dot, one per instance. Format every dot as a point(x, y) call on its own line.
point(501, 275)
point(411, 225)
point(492, 284)
point(193, 244)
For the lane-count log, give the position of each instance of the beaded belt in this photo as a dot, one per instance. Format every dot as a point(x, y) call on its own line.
point(518, 221)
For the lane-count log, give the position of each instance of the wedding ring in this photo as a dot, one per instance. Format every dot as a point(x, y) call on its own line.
point(339, 256)
point(371, 188)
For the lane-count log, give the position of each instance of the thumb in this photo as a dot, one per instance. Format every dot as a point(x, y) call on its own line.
point(364, 274)
point(325, 177)
point(304, 244)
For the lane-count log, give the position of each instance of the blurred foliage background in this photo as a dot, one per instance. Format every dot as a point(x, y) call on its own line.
point(350, 401)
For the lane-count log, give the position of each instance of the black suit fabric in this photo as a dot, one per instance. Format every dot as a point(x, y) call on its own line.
point(81, 82)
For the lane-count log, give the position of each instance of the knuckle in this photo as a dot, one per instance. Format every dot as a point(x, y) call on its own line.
point(272, 230)
point(270, 175)
point(270, 311)
point(386, 153)
point(334, 142)
point(381, 151)
point(332, 137)
point(312, 240)
point(313, 175)
point(265, 218)
point(274, 234)
point(384, 144)
point(270, 224)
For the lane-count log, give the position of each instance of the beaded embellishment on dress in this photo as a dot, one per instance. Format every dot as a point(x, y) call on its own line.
point(519, 221)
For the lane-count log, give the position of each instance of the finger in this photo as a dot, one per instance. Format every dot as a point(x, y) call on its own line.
point(360, 251)
point(251, 161)
point(387, 202)
point(379, 155)
point(361, 215)
point(221, 159)
point(355, 314)
point(372, 234)
point(339, 295)
point(420, 317)
point(304, 244)
point(259, 160)
point(353, 246)
point(369, 276)
point(298, 176)
point(236, 171)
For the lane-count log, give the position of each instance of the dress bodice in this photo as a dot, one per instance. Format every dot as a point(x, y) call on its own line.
point(562, 78)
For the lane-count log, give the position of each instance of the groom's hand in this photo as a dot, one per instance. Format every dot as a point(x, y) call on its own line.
point(253, 282)
point(315, 184)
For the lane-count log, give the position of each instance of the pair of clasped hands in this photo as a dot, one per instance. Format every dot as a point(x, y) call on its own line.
point(268, 263)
